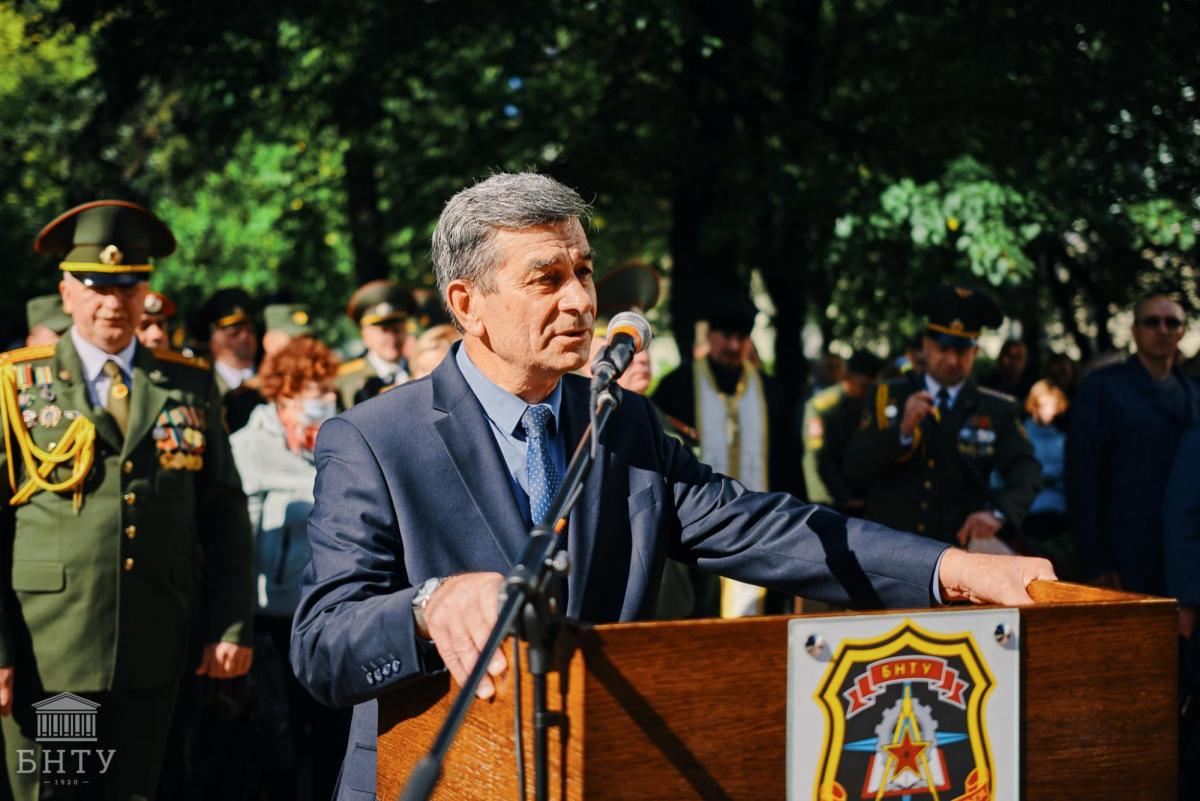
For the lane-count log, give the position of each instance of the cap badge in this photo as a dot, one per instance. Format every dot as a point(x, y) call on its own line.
point(963, 292)
point(111, 255)
point(300, 317)
point(383, 309)
point(956, 326)
point(154, 304)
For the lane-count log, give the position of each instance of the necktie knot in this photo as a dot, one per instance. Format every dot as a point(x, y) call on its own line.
point(113, 370)
point(536, 421)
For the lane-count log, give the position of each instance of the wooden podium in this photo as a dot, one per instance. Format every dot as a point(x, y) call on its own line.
point(697, 709)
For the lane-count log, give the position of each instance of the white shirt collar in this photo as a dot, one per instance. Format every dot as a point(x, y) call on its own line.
point(934, 387)
point(233, 376)
point(384, 368)
point(93, 358)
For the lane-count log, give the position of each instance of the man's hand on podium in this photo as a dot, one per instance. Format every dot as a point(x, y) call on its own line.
point(990, 579)
point(460, 616)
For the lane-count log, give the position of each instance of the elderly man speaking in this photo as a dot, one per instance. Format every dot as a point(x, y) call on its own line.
point(425, 494)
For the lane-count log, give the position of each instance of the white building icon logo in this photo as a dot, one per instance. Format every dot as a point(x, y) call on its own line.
point(66, 718)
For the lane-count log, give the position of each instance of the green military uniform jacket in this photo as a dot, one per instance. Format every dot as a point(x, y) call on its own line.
point(103, 584)
point(830, 419)
point(931, 486)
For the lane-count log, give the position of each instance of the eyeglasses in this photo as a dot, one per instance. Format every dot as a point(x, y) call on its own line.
point(1154, 321)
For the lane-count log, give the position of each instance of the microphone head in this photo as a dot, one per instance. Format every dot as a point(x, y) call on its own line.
point(633, 324)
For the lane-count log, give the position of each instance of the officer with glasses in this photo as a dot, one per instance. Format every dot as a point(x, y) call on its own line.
point(1126, 423)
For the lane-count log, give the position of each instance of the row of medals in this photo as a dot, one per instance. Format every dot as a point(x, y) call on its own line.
point(49, 416)
point(181, 447)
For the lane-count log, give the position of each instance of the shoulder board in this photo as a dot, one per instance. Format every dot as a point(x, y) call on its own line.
point(995, 393)
point(164, 355)
point(27, 354)
point(352, 366)
point(827, 398)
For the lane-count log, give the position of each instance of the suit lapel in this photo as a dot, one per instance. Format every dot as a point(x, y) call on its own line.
point(467, 436)
point(583, 524)
point(72, 392)
point(147, 397)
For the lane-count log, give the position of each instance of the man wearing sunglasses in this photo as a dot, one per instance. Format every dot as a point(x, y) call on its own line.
point(1126, 423)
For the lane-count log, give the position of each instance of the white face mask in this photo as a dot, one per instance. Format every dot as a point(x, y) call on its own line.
point(317, 410)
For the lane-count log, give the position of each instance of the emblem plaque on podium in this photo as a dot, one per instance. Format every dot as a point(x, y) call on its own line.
point(908, 706)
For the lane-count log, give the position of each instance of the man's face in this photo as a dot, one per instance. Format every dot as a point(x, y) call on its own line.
point(636, 377)
point(235, 342)
point(1014, 359)
point(727, 348)
point(1158, 327)
point(107, 317)
point(152, 331)
point(949, 366)
point(385, 340)
point(538, 315)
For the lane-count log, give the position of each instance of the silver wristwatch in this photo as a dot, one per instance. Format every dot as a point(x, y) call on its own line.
point(421, 600)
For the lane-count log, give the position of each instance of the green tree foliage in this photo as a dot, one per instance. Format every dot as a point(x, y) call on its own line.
point(853, 154)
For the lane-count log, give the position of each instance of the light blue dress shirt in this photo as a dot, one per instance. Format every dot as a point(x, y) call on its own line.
point(93, 367)
point(504, 411)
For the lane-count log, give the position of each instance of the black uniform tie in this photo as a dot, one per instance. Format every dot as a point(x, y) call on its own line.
point(943, 401)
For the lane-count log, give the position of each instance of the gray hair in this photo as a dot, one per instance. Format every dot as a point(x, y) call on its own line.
point(462, 241)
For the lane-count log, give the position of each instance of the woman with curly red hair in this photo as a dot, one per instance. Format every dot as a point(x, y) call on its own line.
point(274, 454)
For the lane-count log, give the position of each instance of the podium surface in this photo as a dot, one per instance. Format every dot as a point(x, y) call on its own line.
point(698, 709)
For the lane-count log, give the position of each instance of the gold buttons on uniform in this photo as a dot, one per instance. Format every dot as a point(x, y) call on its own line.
point(920, 530)
point(129, 498)
point(928, 485)
point(130, 532)
point(128, 565)
point(924, 505)
point(127, 468)
point(932, 463)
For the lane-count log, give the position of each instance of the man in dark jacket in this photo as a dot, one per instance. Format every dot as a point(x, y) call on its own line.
point(1126, 424)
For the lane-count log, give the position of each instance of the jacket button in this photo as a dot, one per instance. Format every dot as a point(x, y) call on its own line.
point(130, 498)
point(130, 532)
point(127, 468)
point(128, 565)
point(924, 505)
point(932, 463)
point(920, 528)
point(928, 485)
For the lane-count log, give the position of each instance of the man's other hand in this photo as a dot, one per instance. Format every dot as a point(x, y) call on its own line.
point(990, 579)
point(6, 691)
point(916, 409)
point(460, 616)
point(978, 526)
point(225, 660)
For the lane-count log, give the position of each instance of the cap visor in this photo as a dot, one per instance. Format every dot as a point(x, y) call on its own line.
point(950, 341)
point(111, 279)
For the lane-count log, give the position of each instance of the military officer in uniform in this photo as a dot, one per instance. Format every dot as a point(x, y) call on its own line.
point(930, 441)
point(154, 329)
point(830, 419)
point(46, 320)
point(381, 310)
point(282, 323)
point(123, 521)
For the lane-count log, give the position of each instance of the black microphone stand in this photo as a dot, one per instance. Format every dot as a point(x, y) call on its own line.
point(529, 593)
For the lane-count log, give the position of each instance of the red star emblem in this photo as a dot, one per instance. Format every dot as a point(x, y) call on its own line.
point(906, 752)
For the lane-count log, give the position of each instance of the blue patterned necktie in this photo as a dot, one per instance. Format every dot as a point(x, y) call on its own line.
point(539, 467)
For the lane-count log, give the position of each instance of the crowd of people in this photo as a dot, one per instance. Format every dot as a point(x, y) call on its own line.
point(1094, 469)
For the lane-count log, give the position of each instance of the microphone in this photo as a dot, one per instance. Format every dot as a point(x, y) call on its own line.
point(628, 335)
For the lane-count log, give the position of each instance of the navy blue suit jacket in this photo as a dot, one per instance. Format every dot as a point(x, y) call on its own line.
point(411, 485)
point(1120, 448)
